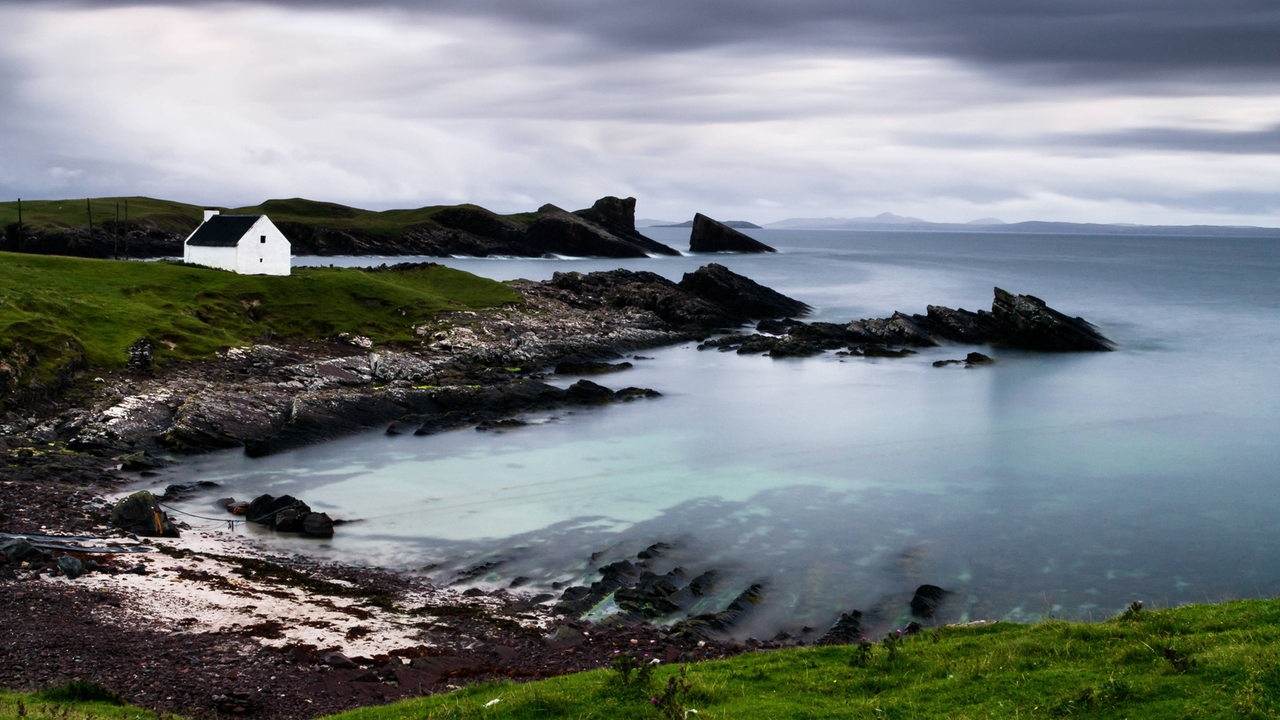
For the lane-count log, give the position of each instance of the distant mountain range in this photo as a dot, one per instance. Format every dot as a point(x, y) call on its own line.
point(736, 224)
point(889, 222)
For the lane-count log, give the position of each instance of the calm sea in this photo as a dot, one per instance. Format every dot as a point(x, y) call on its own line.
point(1043, 485)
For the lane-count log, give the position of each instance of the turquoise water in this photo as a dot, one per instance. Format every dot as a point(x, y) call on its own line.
point(1063, 485)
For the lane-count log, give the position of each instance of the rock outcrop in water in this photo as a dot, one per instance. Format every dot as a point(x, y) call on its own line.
point(1016, 321)
point(713, 236)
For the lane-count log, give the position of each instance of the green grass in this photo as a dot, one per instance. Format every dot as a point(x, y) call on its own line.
point(181, 218)
point(54, 215)
point(1201, 661)
point(1212, 661)
point(75, 700)
point(59, 315)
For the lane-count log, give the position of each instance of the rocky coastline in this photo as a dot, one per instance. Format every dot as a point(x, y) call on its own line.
point(208, 629)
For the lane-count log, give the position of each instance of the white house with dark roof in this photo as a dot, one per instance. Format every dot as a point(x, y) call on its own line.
point(246, 244)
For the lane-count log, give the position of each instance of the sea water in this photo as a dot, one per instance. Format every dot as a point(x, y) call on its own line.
point(1064, 485)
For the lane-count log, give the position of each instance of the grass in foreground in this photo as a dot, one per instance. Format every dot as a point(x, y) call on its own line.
point(1201, 661)
point(58, 314)
point(75, 700)
point(1211, 661)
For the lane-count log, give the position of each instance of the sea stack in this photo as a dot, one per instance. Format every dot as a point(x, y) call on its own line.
point(714, 236)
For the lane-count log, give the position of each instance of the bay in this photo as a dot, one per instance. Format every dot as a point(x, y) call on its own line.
point(1042, 485)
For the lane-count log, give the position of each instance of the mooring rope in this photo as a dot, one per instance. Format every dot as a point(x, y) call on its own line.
point(231, 522)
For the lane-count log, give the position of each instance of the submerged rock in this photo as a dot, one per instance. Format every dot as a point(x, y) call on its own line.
point(927, 599)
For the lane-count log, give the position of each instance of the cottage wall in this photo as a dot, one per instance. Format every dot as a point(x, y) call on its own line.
point(222, 258)
point(263, 250)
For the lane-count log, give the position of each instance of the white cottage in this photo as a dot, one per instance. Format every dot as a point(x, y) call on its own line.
point(246, 244)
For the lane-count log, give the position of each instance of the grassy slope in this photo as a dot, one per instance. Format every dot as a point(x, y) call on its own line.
point(69, 311)
point(181, 218)
point(1201, 661)
point(51, 215)
point(1210, 661)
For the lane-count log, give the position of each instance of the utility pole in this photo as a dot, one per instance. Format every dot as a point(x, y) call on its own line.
point(115, 234)
point(89, 206)
point(126, 228)
point(19, 221)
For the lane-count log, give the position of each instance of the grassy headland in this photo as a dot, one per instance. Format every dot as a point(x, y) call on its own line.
point(60, 316)
point(1200, 661)
point(182, 218)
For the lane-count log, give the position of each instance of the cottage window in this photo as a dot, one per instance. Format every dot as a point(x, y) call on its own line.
point(263, 240)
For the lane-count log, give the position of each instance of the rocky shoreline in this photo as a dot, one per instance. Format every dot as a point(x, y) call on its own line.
point(209, 628)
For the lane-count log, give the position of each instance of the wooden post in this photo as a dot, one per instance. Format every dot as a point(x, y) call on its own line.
point(126, 228)
point(19, 220)
point(89, 206)
point(115, 234)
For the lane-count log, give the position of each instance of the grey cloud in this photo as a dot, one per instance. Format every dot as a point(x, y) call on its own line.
point(1083, 41)
point(1255, 142)
point(1171, 139)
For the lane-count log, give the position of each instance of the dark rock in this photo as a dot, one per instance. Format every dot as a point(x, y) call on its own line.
point(289, 519)
point(499, 425)
point(585, 391)
point(19, 550)
point(264, 508)
point(556, 231)
point(578, 366)
point(712, 236)
point(179, 491)
point(564, 637)
point(70, 566)
point(651, 595)
point(338, 660)
point(714, 624)
point(847, 630)
point(781, 326)
point(140, 355)
point(926, 600)
point(655, 550)
point(973, 359)
point(317, 525)
point(618, 216)
point(1027, 322)
point(635, 393)
point(140, 513)
point(1019, 321)
point(741, 296)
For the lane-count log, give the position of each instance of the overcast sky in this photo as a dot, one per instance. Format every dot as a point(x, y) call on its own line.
point(1143, 111)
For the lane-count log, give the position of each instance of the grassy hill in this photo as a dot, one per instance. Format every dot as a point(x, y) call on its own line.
point(60, 316)
point(1201, 661)
point(61, 215)
point(181, 218)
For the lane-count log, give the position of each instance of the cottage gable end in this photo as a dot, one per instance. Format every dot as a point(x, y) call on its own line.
point(246, 244)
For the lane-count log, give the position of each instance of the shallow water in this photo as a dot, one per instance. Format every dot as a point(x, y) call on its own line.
point(1064, 485)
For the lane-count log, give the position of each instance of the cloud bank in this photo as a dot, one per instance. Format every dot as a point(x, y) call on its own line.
point(1124, 111)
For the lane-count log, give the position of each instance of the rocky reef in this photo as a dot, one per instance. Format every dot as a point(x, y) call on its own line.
point(1015, 321)
point(468, 368)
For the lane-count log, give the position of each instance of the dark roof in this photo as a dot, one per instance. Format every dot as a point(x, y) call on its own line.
point(222, 230)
